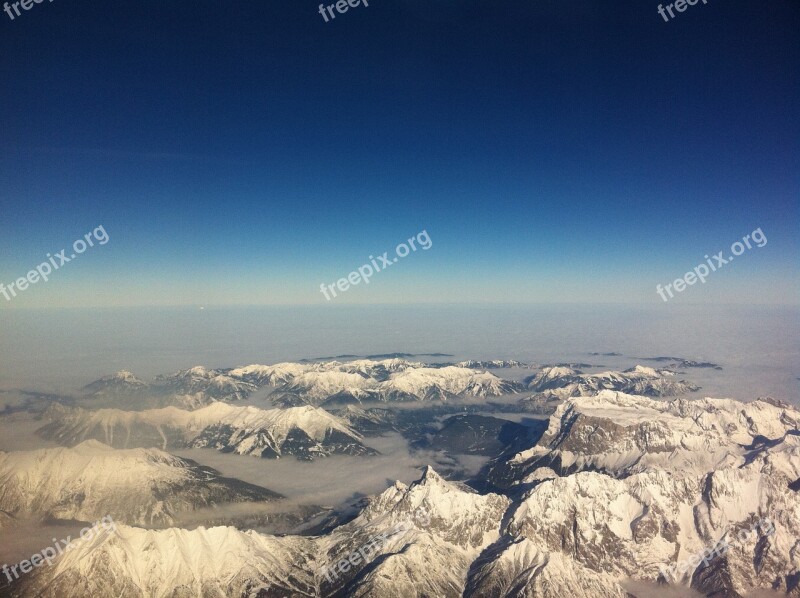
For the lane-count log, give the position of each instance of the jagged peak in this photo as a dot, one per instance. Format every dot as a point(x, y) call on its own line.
point(429, 477)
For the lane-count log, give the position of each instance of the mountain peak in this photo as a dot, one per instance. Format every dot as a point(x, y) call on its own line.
point(197, 370)
point(124, 375)
point(93, 444)
point(430, 477)
point(644, 370)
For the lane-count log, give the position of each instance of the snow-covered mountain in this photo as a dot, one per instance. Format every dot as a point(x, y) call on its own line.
point(587, 533)
point(682, 477)
point(280, 373)
point(367, 380)
point(677, 478)
point(305, 432)
point(443, 528)
point(303, 383)
point(214, 384)
point(283, 373)
point(422, 540)
point(121, 383)
point(624, 434)
point(407, 384)
point(618, 488)
point(564, 382)
point(492, 364)
point(92, 480)
point(189, 389)
point(376, 370)
point(173, 563)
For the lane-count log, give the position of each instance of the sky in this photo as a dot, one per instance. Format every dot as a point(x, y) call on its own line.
point(244, 153)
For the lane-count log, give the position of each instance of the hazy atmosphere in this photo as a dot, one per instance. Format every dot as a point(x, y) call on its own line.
point(400, 298)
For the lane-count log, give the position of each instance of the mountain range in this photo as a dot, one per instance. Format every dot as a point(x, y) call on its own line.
point(304, 432)
point(617, 489)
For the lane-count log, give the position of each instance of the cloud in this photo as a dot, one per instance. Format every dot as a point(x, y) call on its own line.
point(332, 481)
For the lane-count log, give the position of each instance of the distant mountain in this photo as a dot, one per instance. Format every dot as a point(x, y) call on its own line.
point(491, 365)
point(344, 385)
point(304, 432)
point(680, 362)
point(92, 480)
point(380, 356)
point(564, 382)
point(280, 373)
point(553, 377)
point(335, 383)
point(214, 384)
point(189, 389)
point(304, 383)
point(121, 383)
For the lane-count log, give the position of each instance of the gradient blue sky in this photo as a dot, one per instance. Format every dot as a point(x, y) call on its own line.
point(245, 152)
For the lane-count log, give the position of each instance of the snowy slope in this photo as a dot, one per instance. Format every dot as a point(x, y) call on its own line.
point(302, 431)
point(214, 384)
point(677, 478)
point(120, 383)
point(564, 382)
point(136, 563)
point(431, 523)
point(443, 527)
point(492, 364)
point(582, 535)
point(589, 532)
point(92, 480)
point(400, 384)
point(620, 433)
point(305, 383)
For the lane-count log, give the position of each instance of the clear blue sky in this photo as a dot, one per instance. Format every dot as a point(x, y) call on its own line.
point(245, 152)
